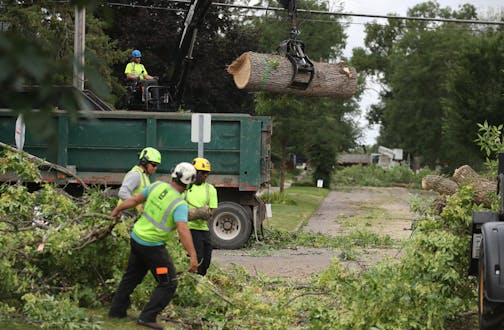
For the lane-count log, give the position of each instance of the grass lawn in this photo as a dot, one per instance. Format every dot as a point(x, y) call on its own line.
point(295, 208)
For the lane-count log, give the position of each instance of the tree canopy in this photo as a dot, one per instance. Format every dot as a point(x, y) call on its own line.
point(440, 80)
point(37, 60)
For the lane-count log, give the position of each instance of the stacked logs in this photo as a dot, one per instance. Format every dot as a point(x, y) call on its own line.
point(484, 189)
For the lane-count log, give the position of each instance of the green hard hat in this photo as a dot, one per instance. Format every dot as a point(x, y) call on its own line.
point(150, 155)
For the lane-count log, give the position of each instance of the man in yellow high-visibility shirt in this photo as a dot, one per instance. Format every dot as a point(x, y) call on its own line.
point(203, 196)
point(136, 71)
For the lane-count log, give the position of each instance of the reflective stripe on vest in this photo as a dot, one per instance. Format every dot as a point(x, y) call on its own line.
point(144, 179)
point(162, 225)
point(144, 182)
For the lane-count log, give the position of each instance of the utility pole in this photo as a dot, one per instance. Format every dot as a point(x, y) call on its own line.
point(79, 47)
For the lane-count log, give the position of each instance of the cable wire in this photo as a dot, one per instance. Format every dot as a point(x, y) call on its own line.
point(321, 12)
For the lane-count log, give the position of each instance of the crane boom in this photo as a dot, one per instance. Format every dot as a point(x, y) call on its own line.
point(192, 21)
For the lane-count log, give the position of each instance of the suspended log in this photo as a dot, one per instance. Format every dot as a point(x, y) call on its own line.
point(273, 73)
point(440, 184)
point(484, 189)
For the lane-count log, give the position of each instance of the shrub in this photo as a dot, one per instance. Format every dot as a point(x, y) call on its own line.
point(376, 176)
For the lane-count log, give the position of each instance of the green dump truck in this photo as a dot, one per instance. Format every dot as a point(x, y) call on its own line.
point(100, 147)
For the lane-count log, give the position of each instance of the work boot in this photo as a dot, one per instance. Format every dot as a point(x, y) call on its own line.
point(152, 325)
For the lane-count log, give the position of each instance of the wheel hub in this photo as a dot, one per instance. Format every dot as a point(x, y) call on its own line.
point(227, 225)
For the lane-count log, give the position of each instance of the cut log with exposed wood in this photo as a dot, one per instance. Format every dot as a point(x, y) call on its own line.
point(440, 184)
point(273, 73)
point(483, 188)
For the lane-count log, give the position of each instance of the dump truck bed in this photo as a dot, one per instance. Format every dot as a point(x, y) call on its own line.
point(102, 146)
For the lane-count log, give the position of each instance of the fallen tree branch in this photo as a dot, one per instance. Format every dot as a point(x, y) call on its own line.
point(96, 233)
point(46, 163)
point(93, 215)
point(209, 285)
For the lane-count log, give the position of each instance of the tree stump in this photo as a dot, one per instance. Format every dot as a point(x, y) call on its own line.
point(273, 73)
point(440, 184)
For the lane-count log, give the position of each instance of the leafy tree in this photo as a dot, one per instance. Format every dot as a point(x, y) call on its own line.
point(37, 50)
point(474, 94)
point(432, 77)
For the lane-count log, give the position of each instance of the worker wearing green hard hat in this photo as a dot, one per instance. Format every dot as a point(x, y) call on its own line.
point(138, 177)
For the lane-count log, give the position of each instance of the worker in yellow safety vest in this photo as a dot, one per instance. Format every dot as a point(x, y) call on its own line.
point(201, 196)
point(138, 177)
point(137, 74)
point(135, 70)
point(165, 211)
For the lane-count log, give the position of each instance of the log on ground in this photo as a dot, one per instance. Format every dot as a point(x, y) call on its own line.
point(484, 189)
point(273, 73)
point(440, 184)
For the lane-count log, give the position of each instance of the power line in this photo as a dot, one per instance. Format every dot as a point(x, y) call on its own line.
point(321, 12)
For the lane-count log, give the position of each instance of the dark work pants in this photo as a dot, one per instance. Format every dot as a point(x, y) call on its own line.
point(143, 258)
point(203, 245)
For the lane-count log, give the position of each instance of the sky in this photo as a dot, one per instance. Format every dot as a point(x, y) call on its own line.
point(356, 36)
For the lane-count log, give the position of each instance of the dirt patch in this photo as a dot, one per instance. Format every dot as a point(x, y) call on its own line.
point(384, 211)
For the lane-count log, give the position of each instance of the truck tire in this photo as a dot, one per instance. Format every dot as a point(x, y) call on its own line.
point(230, 226)
point(491, 314)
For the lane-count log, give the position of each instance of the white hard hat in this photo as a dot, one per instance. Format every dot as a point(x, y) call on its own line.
point(185, 173)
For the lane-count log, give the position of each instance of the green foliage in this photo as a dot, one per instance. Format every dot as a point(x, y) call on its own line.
point(46, 312)
point(376, 176)
point(427, 286)
point(434, 75)
point(51, 253)
point(491, 142)
point(282, 239)
point(37, 61)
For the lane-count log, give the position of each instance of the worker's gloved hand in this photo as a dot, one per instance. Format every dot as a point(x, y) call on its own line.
point(200, 213)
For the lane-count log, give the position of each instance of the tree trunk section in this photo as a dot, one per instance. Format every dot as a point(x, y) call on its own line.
point(483, 188)
point(273, 73)
point(440, 184)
